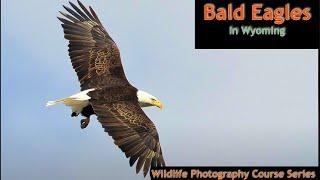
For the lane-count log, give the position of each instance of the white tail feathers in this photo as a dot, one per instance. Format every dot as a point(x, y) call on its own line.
point(76, 101)
point(51, 103)
point(64, 101)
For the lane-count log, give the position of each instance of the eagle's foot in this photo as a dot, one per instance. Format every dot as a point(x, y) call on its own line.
point(74, 114)
point(84, 123)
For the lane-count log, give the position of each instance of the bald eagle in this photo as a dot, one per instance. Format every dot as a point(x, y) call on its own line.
point(105, 90)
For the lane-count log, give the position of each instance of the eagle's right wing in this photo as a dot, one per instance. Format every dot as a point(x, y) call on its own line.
point(118, 111)
point(94, 55)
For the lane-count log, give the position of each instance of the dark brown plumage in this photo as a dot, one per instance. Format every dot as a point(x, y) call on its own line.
point(96, 60)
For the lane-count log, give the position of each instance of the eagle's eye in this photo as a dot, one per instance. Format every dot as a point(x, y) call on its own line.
point(152, 99)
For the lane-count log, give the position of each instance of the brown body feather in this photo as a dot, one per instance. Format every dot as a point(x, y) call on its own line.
point(96, 60)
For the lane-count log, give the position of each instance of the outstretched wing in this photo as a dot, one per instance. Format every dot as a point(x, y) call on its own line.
point(133, 132)
point(94, 55)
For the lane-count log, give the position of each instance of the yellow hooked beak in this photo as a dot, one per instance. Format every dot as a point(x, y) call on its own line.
point(158, 104)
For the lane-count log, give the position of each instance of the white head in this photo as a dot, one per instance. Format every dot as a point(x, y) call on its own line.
point(145, 99)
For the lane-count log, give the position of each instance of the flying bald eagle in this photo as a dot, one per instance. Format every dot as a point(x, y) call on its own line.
point(105, 90)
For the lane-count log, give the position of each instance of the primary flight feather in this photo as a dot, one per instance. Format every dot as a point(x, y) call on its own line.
point(105, 90)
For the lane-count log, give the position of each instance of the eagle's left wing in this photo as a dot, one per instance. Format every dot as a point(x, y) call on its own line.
point(133, 132)
point(94, 55)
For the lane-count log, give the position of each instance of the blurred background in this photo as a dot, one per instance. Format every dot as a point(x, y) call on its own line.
point(222, 107)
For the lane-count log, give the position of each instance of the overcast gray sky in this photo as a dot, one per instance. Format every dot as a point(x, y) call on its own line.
point(222, 107)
